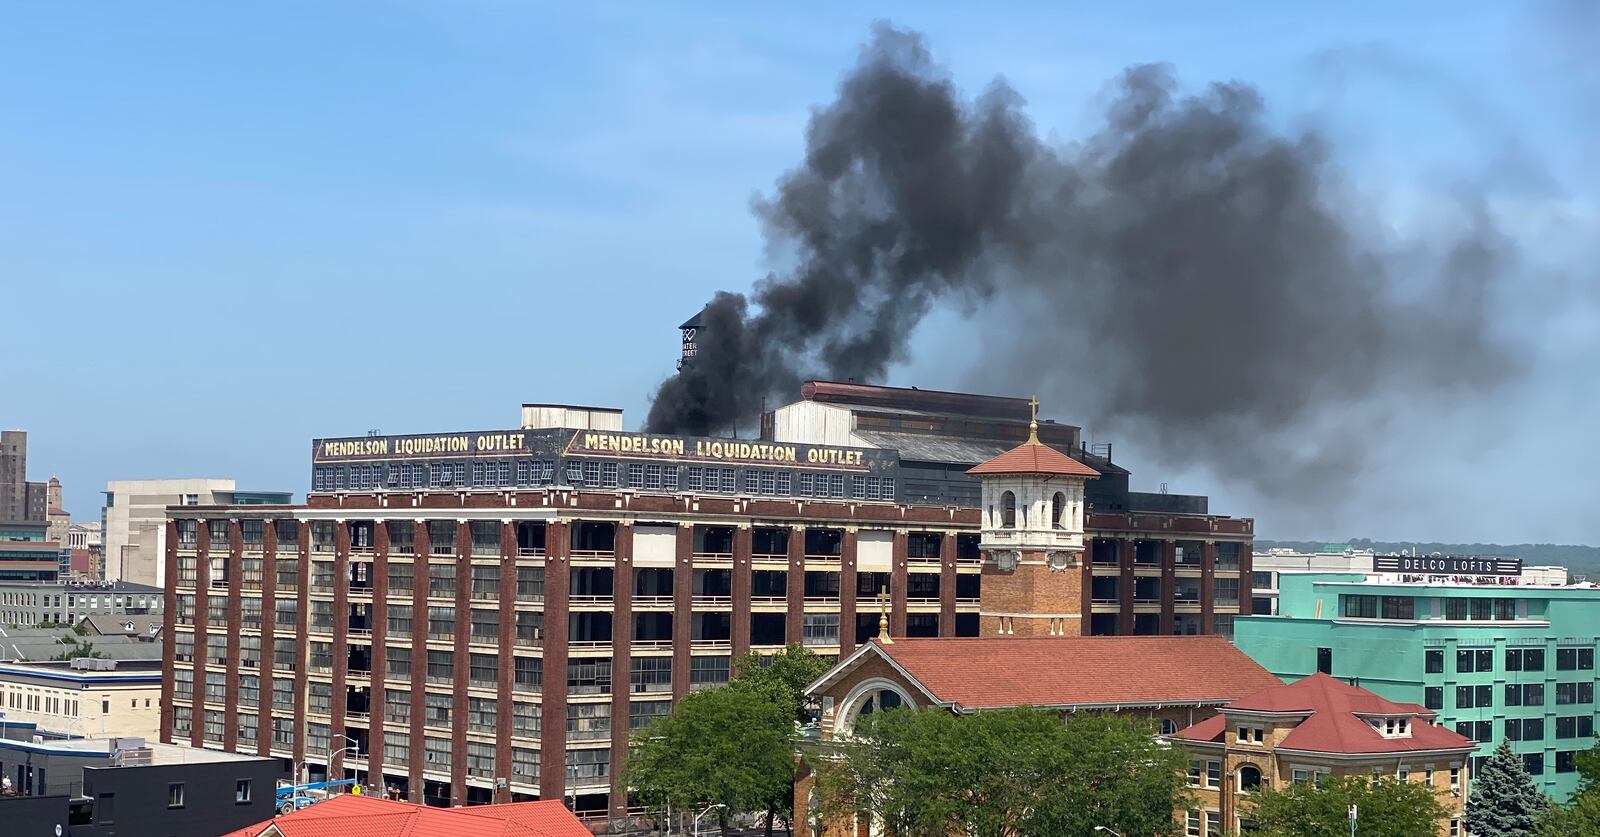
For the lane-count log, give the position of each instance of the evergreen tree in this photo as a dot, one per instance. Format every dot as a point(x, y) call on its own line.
point(1504, 802)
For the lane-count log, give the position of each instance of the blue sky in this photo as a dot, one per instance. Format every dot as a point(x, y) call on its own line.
point(227, 229)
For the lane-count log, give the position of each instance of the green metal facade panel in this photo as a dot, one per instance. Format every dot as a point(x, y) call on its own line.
point(1391, 657)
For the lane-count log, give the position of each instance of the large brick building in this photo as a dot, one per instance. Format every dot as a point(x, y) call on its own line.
point(457, 613)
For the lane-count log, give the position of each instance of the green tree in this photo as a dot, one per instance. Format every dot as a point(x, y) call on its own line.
point(1580, 817)
point(1504, 802)
point(732, 746)
point(1007, 773)
point(1387, 808)
point(784, 676)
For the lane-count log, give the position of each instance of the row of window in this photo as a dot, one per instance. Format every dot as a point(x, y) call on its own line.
point(1405, 607)
point(1477, 660)
point(590, 473)
point(1516, 694)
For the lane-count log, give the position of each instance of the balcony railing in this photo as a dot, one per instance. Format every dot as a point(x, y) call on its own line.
point(593, 555)
point(530, 552)
point(711, 643)
point(652, 601)
point(590, 600)
point(651, 644)
point(712, 600)
point(713, 556)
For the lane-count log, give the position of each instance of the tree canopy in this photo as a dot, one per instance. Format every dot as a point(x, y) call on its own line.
point(1580, 817)
point(1504, 802)
point(1007, 773)
point(733, 745)
point(1387, 808)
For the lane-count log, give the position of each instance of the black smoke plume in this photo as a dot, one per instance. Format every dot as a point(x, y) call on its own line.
point(1187, 274)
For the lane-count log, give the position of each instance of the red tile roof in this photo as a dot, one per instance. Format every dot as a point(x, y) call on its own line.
point(998, 672)
point(1334, 722)
point(349, 815)
point(1034, 458)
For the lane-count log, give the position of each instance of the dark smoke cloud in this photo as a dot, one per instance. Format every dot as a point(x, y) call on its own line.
point(1187, 274)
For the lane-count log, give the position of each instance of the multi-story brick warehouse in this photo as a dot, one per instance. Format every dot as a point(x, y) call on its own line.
point(451, 612)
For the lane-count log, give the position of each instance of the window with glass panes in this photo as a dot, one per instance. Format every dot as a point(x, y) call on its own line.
point(436, 752)
point(484, 669)
point(708, 671)
point(528, 672)
point(588, 766)
point(642, 712)
point(524, 719)
point(441, 667)
point(530, 584)
point(397, 663)
point(524, 765)
point(481, 714)
point(586, 676)
point(397, 706)
point(588, 721)
point(651, 674)
point(485, 626)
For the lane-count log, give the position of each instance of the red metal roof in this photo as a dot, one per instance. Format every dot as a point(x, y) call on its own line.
point(999, 672)
point(1334, 721)
point(349, 815)
point(1034, 458)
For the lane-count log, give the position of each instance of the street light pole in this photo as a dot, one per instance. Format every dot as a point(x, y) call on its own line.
point(357, 749)
point(709, 808)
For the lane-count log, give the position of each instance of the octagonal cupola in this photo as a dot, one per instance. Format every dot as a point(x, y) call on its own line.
point(1032, 504)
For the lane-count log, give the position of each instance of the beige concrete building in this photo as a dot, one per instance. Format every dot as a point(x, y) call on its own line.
point(135, 516)
point(84, 698)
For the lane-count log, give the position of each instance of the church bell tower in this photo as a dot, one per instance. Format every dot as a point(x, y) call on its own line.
point(1032, 540)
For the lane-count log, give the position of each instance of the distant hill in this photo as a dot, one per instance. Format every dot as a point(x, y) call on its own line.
point(1583, 560)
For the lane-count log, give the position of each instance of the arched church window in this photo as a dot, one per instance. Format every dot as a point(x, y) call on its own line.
point(1249, 778)
point(1008, 510)
point(1058, 509)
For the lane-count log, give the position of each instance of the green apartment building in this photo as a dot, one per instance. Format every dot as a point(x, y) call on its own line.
point(1495, 658)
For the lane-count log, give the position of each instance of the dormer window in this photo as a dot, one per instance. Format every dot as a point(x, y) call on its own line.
point(1396, 727)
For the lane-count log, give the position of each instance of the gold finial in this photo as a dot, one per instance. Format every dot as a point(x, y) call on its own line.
point(1033, 420)
point(883, 617)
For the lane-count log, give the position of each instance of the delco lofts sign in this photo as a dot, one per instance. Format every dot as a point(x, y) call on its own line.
point(1446, 565)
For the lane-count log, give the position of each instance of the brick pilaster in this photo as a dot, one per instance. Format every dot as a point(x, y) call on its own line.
point(235, 570)
point(947, 584)
point(1208, 587)
point(269, 635)
point(621, 658)
point(379, 617)
point(682, 612)
point(740, 591)
point(847, 593)
point(416, 784)
point(1169, 584)
point(794, 616)
point(505, 681)
point(202, 615)
point(340, 650)
point(898, 584)
point(169, 627)
point(1126, 550)
point(462, 665)
point(557, 604)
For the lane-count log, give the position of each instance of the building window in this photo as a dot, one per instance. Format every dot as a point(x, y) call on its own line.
point(1574, 659)
point(1530, 694)
point(1248, 735)
point(1249, 778)
point(1469, 697)
point(1568, 694)
point(241, 792)
point(1433, 697)
point(1534, 762)
point(175, 795)
point(1213, 774)
point(1433, 661)
point(820, 629)
point(1008, 510)
point(1469, 660)
point(1360, 607)
point(1524, 659)
point(1565, 762)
